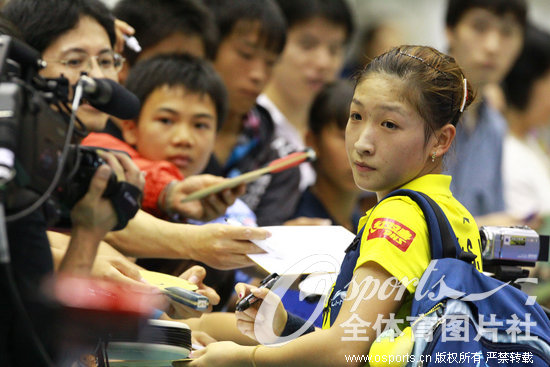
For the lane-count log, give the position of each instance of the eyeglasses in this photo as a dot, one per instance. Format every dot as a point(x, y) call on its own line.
point(108, 62)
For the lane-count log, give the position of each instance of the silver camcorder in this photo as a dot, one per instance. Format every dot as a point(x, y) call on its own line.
point(519, 245)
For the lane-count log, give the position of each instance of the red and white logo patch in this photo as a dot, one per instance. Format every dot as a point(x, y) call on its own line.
point(396, 233)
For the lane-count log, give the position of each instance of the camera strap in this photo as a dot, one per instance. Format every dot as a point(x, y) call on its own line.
point(126, 202)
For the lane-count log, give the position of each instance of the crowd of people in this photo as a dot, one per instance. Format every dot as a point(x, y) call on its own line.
point(228, 86)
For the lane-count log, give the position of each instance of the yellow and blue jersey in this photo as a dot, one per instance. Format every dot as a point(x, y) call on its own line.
point(396, 237)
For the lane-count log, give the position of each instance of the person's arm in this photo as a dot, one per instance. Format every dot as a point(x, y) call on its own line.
point(220, 326)
point(165, 187)
point(93, 215)
point(320, 348)
point(217, 245)
point(109, 263)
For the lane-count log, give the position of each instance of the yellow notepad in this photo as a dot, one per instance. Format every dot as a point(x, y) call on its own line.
point(164, 281)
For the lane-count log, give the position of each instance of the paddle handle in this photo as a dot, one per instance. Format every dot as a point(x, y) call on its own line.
point(275, 166)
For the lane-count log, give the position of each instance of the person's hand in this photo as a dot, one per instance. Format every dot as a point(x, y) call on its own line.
point(95, 214)
point(205, 209)
point(225, 247)
point(261, 323)
point(306, 221)
point(121, 29)
point(195, 275)
point(227, 354)
point(120, 270)
point(201, 338)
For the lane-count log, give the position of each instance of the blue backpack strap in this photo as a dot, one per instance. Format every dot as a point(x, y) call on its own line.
point(356, 241)
point(344, 277)
point(443, 241)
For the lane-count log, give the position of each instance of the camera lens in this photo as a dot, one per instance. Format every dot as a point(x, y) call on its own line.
point(483, 236)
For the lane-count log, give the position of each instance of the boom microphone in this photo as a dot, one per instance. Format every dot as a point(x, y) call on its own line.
point(110, 97)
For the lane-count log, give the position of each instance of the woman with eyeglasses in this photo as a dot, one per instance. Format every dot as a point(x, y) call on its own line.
point(73, 36)
point(80, 41)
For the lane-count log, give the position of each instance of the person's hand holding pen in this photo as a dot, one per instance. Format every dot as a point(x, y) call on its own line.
point(260, 325)
point(124, 37)
point(205, 209)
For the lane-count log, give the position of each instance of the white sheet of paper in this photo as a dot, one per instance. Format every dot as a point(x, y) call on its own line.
point(303, 249)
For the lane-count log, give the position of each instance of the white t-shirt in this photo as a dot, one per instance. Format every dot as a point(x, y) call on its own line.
point(283, 128)
point(526, 170)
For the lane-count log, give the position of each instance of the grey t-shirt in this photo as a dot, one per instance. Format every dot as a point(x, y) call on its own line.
point(475, 163)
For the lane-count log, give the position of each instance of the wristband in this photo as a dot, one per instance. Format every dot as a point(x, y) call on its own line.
point(294, 323)
point(126, 202)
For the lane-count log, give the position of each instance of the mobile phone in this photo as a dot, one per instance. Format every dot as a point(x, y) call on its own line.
point(188, 298)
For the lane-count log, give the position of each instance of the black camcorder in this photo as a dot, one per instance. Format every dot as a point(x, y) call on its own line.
point(34, 137)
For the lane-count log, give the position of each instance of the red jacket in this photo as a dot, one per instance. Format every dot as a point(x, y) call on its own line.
point(157, 173)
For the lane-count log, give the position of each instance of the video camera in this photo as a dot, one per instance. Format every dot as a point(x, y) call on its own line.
point(40, 159)
point(506, 249)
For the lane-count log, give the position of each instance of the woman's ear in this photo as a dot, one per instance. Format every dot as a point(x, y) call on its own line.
point(129, 131)
point(445, 138)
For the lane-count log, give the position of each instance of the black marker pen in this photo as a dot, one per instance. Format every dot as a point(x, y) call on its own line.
point(249, 300)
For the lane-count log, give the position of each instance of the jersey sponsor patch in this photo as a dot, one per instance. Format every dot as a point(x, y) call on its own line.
point(396, 233)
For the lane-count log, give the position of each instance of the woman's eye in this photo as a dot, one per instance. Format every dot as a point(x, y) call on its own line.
point(105, 63)
point(75, 62)
point(389, 125)
point(355, 116)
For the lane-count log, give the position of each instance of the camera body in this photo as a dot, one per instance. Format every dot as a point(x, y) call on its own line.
point(516, 245)
point(48, 163)
point(81, 166)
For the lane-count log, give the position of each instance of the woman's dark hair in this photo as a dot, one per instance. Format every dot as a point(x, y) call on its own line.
point(8, 28)
point(335, 11)
point(331, 106)
point(178, 70)
point(154, 20)
point(532, 64)
point(457, 8)
point(41, 22)
point(434, 82)
point(230, 14)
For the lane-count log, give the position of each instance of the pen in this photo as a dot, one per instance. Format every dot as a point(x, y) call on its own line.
point(132, 43)
point(232, 221)
point(250, 299)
